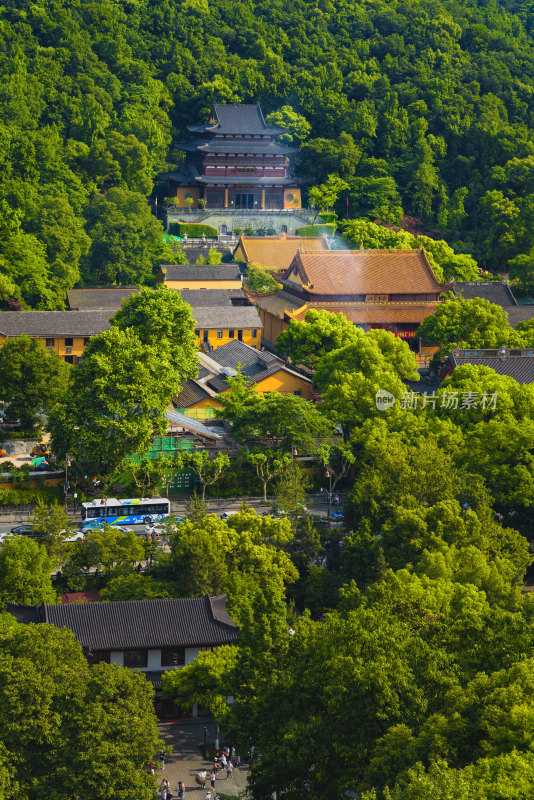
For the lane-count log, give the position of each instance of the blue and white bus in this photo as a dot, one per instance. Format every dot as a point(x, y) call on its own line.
point(110, 511)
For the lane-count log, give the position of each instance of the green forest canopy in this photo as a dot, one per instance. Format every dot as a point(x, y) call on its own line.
point(423, 109)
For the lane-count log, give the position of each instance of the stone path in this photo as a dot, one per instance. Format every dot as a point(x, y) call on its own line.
point(187, 738)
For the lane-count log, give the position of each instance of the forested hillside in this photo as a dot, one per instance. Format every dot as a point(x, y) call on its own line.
point(423, 108)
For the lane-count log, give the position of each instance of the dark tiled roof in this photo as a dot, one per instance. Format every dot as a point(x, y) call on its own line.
point(206, 297)
point(356, 272)
point(99, 298)
point(498, 293)
point(517, 364)
point(517, 314)
point(185, 622)
point(55, 323)
point(191, 393)
point(205, 272)
point(218, 384)
point(237, 118)
point(237, 317)
point(26, 614)
point(236, 352)
point(154, 677)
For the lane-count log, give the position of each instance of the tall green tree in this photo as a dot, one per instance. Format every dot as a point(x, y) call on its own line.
point(83, 729)
point(126, 240)
point(33, 379)
point(304, 342)
point(162, 319)
point(115, 402)
point(25, 572)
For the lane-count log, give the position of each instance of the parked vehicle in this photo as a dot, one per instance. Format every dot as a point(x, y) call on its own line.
point(77, 536)
point(98, 525)
point(25, 530)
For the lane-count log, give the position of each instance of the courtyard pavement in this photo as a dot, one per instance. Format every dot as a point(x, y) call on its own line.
point(187, 738)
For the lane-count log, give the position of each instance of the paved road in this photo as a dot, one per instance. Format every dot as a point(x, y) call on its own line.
point(186, 738)
point(317, 507)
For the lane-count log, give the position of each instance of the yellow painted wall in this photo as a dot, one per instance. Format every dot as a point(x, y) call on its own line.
point(272, 325)
point(189, 190)
point(76, 349)
point(285, 383)
point(239, 254)
point(282, 382)
point(203, 284)
point(297, 200)
point(215, 342)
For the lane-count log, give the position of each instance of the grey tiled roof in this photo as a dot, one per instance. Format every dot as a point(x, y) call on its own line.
point(185, 622)
point(190, 394)
point(206, 297)
point(237, 317)
point(154, 677)
point(236, 352)
point(99, 298)
point(237, 118)
point(517, 364)
point(517, 314)
point(55, 323)
point(205, 272)
point(498, 293)
point(26, 614)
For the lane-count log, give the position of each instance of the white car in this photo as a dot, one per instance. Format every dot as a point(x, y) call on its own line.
point(77, 536)
point(228, 514)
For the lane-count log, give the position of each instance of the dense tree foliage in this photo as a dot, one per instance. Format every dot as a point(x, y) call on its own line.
point(33, 378)
point(83, 732)
point(416, 109)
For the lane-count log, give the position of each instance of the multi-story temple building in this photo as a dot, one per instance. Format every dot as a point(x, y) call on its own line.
point(237, 169)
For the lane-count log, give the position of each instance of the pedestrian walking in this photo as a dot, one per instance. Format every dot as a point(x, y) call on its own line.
point(212, 779)
point(233, 754)
point(208, 795)
point(215, 765)
point(229, 770)
point(162, 759)
point(151, 767)
point(223, 759)
point(181, 791)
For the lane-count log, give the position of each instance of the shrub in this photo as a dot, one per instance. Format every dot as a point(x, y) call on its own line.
point(238, 231)
point(317, 230)
point(193, 230)
point(271, 232)
point(31, 435)
point(260, 280)
point(260, 232)
point(249, 232)
point(23, 497)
